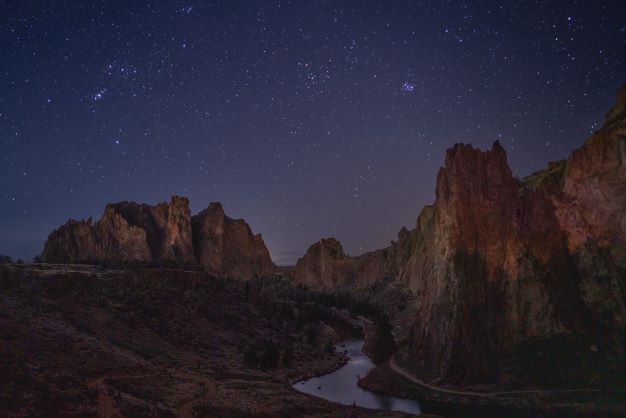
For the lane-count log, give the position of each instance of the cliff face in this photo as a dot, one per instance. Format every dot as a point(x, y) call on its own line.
point(496, 260)
point(111, 238)
point(227, 247)
point(480, 273)
point(505, 260)
point(326, 266)
point(167, 227)
point(130, 231)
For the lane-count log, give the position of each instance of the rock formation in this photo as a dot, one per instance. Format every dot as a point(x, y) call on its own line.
point(497, 260)
point(130, 231)
point(227, 247)
point(167, 227)
point(326, 266)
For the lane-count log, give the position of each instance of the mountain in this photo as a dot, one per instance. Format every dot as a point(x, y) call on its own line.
point(132, 232)
point(498, 261)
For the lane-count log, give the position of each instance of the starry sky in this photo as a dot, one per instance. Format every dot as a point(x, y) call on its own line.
point(306, 118)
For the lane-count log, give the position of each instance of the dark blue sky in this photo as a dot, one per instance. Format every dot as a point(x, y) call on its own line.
point(307, 118)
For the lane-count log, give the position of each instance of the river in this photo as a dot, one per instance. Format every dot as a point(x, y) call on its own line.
point(341, 386)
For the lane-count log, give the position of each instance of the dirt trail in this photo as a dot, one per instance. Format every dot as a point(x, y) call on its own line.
point(396, 368)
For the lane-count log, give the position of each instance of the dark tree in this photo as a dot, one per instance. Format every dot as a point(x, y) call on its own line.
point(383, 344)
point(246, 291)
point(250, 357)
point(270, 356)
point(287, 359)
point(311, 335)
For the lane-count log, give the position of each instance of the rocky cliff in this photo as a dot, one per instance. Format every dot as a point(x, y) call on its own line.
point(130, 231)
point(497, 261)
point(167, 227)
point(227, 247)
point(326, 266)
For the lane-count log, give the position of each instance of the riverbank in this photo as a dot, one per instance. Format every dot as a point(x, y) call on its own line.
point(339, 363)
point(341, 386)
point(454, 403)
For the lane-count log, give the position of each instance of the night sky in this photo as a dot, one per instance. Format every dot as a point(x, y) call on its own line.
point(306, 118)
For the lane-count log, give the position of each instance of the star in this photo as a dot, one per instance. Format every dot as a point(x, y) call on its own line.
point(408, 87)
point(99, 95)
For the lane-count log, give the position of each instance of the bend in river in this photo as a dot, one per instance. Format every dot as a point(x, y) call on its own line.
point(341, 386)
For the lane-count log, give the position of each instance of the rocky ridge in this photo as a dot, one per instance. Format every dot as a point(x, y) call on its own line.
point(132, 232)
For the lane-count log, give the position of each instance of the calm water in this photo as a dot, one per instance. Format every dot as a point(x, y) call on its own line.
point(341, 385)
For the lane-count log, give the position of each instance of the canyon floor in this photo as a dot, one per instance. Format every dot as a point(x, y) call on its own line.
point(83, 341)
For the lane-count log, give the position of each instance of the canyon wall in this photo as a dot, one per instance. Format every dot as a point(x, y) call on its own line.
point(129, 231)
point(497, 260)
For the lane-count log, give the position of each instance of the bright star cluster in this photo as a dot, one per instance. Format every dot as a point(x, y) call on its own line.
point(306, 118)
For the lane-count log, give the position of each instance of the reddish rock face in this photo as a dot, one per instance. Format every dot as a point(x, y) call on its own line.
point(593, 199)
point(497, 260)
point(111, 238)
point(208, 237)
point(70, 242)
point(480, 272)
point(227, 247)
point(116, 239)
point(130, 231)
point(167, 226)
point(506, 260)
point(325, 265)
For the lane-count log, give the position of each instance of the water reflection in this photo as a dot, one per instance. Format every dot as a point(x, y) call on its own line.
point(341, 385)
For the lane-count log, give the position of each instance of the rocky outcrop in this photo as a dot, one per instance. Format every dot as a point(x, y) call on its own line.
point(111, 238)
point(481, 272)
point(167, 227)
point(227, 247)
point(506, 260)
point(129, 231)
point(496, 260)
point(326, 266)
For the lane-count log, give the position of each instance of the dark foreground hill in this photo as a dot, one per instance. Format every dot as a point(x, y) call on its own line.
point(79, 341)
